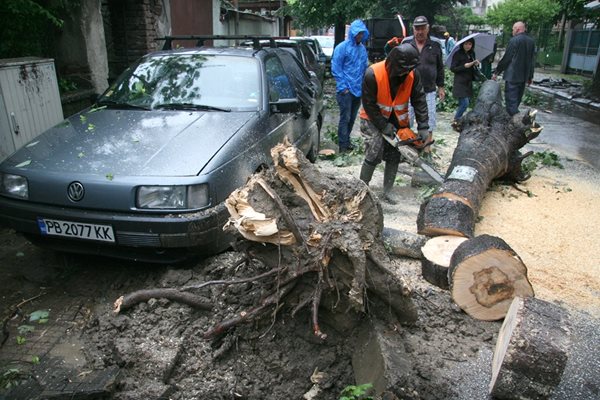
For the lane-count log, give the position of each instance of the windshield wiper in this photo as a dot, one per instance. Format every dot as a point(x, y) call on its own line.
point(116, 104)
point(190, 106)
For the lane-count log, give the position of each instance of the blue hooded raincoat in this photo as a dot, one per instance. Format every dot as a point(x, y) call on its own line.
point(350, 61)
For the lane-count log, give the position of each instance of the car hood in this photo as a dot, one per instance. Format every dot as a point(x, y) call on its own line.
point(132, 142)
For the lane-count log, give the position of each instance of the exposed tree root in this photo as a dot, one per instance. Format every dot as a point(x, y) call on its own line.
point(125, 302)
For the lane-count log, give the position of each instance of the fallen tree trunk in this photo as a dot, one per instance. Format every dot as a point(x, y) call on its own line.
point(485, 275)
point(487, 149)
point(532, 350)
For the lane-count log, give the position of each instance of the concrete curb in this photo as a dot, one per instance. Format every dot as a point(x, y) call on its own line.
point(583, 102)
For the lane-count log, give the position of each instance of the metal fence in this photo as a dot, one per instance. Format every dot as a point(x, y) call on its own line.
point(583, 53)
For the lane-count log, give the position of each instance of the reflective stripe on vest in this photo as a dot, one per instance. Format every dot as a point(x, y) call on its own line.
point(384, 98)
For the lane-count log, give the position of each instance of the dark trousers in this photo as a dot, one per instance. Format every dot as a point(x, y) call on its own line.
point(513, 93)
point(463, 104)
point(349, 105)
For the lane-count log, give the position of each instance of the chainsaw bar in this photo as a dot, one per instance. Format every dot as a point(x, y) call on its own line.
point(412, 157)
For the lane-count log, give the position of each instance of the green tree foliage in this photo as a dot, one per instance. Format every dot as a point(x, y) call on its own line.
point(458, 19)
point(27, 25)
point(535, 13)
point(412, 8)
point(321, 13)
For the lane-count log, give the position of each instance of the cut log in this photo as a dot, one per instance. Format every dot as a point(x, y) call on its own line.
point(532, 350)
point(487, 149)
point(402, 243)
point(437, 253)
point(485, 275)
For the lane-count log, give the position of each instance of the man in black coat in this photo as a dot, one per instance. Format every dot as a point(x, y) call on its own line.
point(517, 64)
point(431, 69)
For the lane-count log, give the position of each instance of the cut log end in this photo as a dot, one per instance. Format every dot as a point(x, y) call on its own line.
point(437, 253)
point(532, 350)
point(485, 275)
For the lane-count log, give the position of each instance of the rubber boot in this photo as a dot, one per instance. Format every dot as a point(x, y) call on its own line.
point(389, 176)
point(366, 172)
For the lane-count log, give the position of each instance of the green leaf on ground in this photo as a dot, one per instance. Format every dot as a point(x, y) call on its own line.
point(39, 316)
point(24, 329)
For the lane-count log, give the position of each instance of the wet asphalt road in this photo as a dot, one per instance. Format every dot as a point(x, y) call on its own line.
point(571, 130)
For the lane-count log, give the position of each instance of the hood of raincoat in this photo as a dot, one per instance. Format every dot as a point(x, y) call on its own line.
point(356, 27)
point(401, 60)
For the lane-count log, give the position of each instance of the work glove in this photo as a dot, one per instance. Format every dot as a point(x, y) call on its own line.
point(389, 131)
point(395, 41)
point(423, 135)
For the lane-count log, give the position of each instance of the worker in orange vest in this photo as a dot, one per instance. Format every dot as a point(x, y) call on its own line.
point(386, 90)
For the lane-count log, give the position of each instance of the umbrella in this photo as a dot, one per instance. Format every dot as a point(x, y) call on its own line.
point(484, 46)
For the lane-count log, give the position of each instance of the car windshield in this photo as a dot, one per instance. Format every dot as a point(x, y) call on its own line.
point(194, 81)
point(325, 41)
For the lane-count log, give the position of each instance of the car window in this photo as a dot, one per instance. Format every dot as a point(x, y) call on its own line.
point(195, 79)
point(279, 82)
point(309, 55)
point(326, 41)
point(300, 78)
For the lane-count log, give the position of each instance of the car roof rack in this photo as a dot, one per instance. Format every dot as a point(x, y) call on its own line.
point(201, 38)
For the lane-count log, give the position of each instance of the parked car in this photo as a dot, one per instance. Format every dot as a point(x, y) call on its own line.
point(143, 173)
point(300, 49)
point(327, 44)
point(314, 45)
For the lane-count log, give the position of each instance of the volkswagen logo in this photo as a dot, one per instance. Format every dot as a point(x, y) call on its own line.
point(75, 191)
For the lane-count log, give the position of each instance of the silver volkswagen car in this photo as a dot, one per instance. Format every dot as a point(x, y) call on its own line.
point(143, 173)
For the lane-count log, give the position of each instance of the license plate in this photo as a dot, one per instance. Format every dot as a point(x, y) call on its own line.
point(54, 227)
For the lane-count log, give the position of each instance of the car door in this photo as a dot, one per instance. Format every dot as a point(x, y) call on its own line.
point(280, 87)
point(310, 94)
point(311, 62)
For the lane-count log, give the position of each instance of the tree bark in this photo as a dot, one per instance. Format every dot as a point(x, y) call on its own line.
point(487, 149)
point(532, 350)
point(402, 243)
point(485, 275)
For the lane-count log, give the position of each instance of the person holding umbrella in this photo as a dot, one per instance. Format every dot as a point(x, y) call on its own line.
point(464, 65)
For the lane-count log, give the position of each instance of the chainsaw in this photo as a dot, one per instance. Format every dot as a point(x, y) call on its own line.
point(406, 142)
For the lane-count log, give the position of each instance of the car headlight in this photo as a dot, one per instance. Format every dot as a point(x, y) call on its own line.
point(172, 197)
point(14, 185)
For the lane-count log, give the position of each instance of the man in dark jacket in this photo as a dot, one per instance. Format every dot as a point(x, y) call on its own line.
point(386, 90)
point(431, 68)
point(517, 64)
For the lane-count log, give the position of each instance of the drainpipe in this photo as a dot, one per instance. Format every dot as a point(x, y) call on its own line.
point(236, 27)
point(281, 20)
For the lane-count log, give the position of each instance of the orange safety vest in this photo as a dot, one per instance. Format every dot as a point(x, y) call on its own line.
point(384, 97)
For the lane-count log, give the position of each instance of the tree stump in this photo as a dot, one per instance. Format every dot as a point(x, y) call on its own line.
point(437, 253)
point(532, 350)
point(487, 149)
point(323, 232)
point(485, 275)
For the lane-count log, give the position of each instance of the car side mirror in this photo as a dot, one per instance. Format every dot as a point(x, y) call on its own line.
point(273, 96)
point(322, 58)
point(285, 106)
